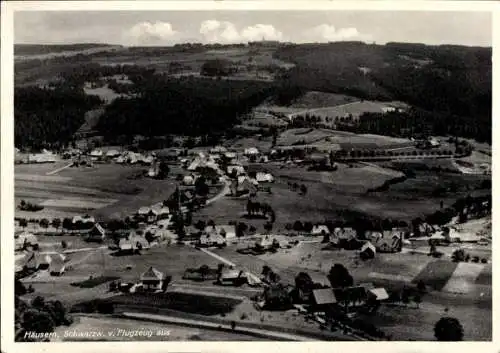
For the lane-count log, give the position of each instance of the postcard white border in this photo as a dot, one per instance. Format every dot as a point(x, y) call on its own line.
point(7, 180)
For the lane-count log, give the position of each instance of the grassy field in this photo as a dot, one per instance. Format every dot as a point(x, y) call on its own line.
point(315, 99)
point(346, 140)
point(105, 190)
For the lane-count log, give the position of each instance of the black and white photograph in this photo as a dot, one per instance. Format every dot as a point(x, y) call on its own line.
point(264, 175)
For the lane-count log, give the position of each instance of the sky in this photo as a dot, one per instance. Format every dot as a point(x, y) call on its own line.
point(170, 27)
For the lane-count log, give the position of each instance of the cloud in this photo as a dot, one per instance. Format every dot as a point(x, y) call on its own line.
point(214, 31)
point(259, 31)
point(147, 32)
point(329, 33)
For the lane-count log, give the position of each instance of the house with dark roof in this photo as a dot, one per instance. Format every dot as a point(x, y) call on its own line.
point(152, 279)
point(96, 234)
point(368, 251)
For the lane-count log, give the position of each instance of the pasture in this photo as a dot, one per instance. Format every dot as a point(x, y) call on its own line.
point(345, 140)
point(104, 191)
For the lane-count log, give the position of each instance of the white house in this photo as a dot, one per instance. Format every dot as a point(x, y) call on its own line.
point(96, 153)
point(23, 239)
point(152, 279)
point(212, 239)
point(320, 229)
point(44, 261)
point(83, 219)
point(240, 170)
point(218, 149)
point(340, 234)
point(264, 177)
point(112, 153)
point(387, 241)
point(188, 180)
point(226, 231)
point(251, 151)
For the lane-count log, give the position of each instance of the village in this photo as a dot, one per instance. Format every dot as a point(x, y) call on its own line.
point(330, 296)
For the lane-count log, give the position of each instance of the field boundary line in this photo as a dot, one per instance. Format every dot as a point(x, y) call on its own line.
point(59, 169)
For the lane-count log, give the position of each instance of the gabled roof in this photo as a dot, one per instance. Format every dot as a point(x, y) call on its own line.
point(230, 274)
point(98, 229)
point(320, 229)
point(152, 274)
point(350, 293)
point(368, 246)
point(143, 210)
point(379, 293)
point(324, 296)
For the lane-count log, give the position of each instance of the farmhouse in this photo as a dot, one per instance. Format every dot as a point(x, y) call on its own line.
point(323, 298)
point(264, 177)
point(239, 170)
point(377, 294)
point(24, 239)
point(83, 219)
point(230, 155)
point(342, 235)
point(232, 278)
point(320, 229)
point(152, 279)
point(218, 149)
point(226, 231)
point(252, 151)
point(96, 154)
point(387, 241)
point(44, 261)
point(243, 185)
point(211, 239)
point(188, 180)
point(41, 158)
point(57, 268)
point(112, 153)
point(368, 251)
point(97, 233)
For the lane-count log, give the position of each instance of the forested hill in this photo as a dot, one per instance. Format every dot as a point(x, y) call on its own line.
point(447, 79)
point(49, 117)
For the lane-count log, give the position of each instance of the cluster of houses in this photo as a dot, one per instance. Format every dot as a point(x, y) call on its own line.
point(44, 156)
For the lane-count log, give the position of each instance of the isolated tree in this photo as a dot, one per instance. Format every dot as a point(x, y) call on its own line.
point(339, 277)
point(303, 189)
point(448, 329)
point(64, 244)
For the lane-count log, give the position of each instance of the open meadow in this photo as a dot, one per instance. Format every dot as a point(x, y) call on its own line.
point(104, 191)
